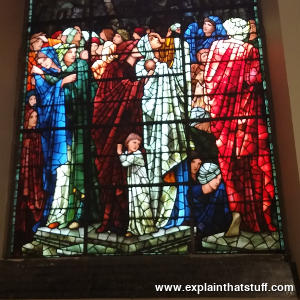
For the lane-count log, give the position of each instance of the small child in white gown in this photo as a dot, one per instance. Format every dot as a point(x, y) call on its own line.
point(140, 214)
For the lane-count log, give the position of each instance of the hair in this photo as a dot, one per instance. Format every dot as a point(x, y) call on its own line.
point(109, 33)
point(210, 21)
point(131, 137)
point(35, 37)
point(124, 34)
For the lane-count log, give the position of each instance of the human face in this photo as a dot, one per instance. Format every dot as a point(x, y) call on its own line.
point(208, 28)
point(133, 145)
point(154, 42)
point(32, 120)
point(195, 165)
point(117, 39)
point(252, 26)
point(70, 56)
point(94, 47)
point(32, 100)
point(45, 62)
point(37, 44)
point(77, 36)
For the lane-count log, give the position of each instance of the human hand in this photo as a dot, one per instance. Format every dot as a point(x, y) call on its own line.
point(69, 79)
point(119, 148)
point(37, 70)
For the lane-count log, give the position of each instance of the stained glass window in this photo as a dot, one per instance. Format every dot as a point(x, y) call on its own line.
point(144, 129)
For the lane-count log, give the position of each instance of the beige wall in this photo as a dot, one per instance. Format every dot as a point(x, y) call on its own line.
point(282, 32)
point(282, 28)
point(11, 20)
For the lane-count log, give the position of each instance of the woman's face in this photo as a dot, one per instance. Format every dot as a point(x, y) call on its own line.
point(77, 36)
point(195, 165)
point(117, 39)
point(32, 120)
point(208, 28)
point(32, 100)
point(45, 62)
point(70, 56)
point(154, 42)
point(37, 44)
point(94, 47)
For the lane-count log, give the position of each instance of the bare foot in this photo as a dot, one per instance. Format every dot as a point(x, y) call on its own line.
point(234, 228)
point(74, 225)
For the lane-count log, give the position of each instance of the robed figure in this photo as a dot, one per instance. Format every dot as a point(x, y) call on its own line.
point(233, 82)
point(117, 112)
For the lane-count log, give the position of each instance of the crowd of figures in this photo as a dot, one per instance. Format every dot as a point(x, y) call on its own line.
point(177, 133)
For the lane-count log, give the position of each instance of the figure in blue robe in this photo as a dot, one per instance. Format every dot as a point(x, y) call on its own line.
point(52, 122)
point(209, 202)
point(197, 39)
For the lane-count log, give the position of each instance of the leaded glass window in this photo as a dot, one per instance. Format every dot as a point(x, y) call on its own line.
point(144, 129)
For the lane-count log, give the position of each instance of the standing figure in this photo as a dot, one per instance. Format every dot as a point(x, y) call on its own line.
point(164, 105)
point(234, 85)
point(140, 214)
point(117, 112)
point(69, 197)
point(31, 195)
point(52, 122)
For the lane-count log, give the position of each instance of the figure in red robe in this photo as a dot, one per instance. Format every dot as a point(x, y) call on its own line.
point(31, 196)
point(233, 82)
point(117, 112)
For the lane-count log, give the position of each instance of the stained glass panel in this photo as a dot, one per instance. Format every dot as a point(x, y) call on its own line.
point(145, 129)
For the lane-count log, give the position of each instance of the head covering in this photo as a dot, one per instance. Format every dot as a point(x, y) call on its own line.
point(95, 40)
point(141, 31)
point(203, 42)
point(125, 48)
point(175, 26)
point(124, 34)
point(237, 28)
point(28, 95)
point(144, 47)
point(67, 31)
point(50, 52)
point(198, 113)
point(56, 34)
point(85, 35)
point(207, 172)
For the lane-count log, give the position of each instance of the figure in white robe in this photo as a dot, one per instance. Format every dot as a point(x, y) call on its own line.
point(140, 214)
point(165, 104)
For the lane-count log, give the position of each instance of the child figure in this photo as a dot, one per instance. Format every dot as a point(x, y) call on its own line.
point(140, 214)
